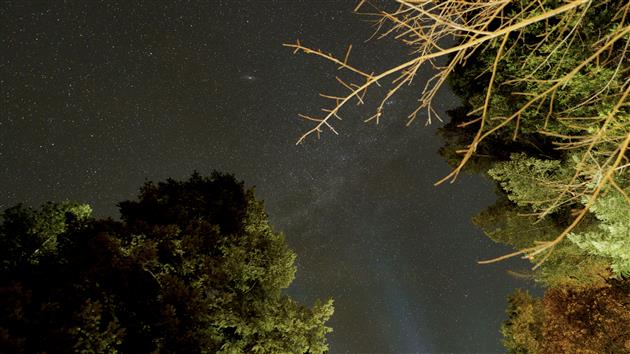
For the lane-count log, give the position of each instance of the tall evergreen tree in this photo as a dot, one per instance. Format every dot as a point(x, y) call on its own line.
point(545, 88)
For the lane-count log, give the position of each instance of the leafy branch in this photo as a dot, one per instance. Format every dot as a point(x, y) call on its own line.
point(539, 86)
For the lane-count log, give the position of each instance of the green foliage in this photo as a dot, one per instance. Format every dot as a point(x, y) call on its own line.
point(569, 265)
point(541, 53)
point(611, 239)
point(558, 111)
point(522, 331)
point(91, 334)
point(28, 235)
point(565, 134)
point(533, 183)
point(530, 182)
point(195, 268)
point(509, 224)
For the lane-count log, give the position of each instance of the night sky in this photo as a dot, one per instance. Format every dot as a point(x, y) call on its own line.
point(98, 97)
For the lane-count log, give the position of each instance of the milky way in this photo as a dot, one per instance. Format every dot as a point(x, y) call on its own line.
point(97, 97)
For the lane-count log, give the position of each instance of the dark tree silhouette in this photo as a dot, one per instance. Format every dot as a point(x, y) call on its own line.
point(194, 267)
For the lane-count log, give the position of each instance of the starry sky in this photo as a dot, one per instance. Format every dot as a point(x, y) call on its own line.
point(99, 96)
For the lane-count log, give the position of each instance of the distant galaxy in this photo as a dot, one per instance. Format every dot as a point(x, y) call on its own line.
point(248, 77)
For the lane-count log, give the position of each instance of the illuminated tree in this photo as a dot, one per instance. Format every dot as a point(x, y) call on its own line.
point(528, 70)
point(570, 320)
point(194, 267)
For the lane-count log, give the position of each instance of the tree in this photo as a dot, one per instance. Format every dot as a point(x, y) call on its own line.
point(611, 238)
point(570, 320)
point(193, 267)
point(587, 320)
point(28, 235)
point(522, 331)
point(527, 69)
point(545, 88)
point(507, 223)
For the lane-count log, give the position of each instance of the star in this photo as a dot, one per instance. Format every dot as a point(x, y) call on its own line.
point(129, 93)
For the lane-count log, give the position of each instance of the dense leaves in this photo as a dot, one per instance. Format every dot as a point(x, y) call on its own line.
point(570, 320)
point(557, 127)
point(506, 223)
point(523, 329)
point(611, 238)
point(194, 268)
point(529, 181)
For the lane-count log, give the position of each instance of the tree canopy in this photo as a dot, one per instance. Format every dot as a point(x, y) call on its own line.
point(545, 115)
point(193, 267)
point(570, 320)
